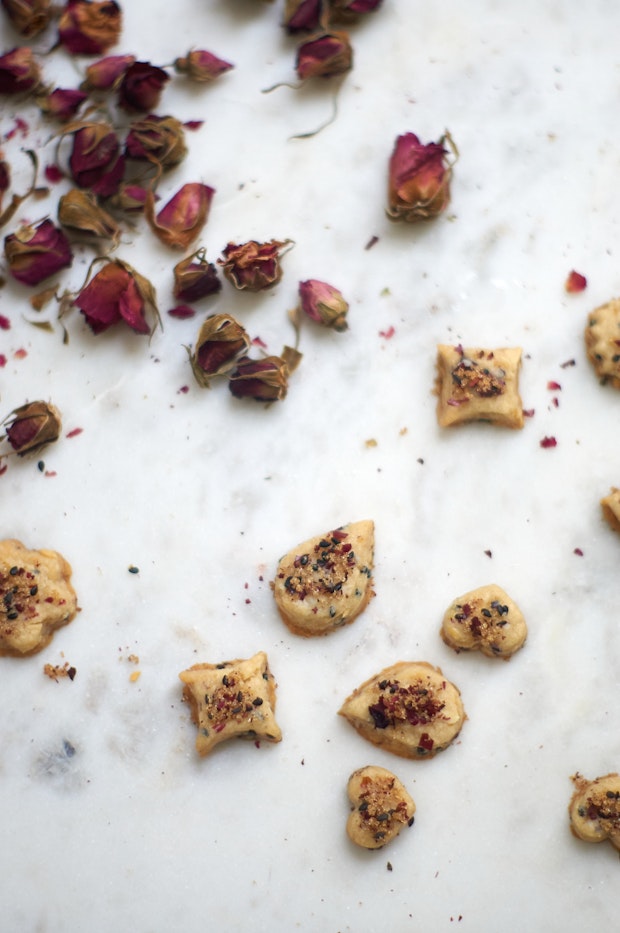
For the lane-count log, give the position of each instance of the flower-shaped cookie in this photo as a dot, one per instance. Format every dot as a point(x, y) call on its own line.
point(36, 597)
point(380, 807)
point(234, 699)
point(610, 505)
point(602, 338)
point(594, 809)
point(486, 619)
point(409, 709)
point(478, 385)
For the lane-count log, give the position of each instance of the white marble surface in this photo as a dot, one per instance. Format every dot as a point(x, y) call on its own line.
point(109, 819)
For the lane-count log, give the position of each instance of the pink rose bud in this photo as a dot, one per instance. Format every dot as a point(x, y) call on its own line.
point(30, 427)
point(95, 161)
point(324, 304)
point(201, 66)
point(263, 380)
point(253, 266)
point(107, 72)
point(183, 217)
point(89, 28)
point(19, 71)
point(419, 179)
point(141, 86)
point(302, 15)
point(221, 341)
point(324, 56)
point(118, 293)
point(160, 140)
point(28, 17)
point(195, 278)
point(34, 253)
point(62, 103)
point(131, 198)
point(80, 211)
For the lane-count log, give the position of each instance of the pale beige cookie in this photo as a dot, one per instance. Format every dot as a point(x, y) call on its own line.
point(611, 508)
point(474, 384)
point(594, 809)
point(487, 620)
point(36, 597)
point(380, 807)
point(326, 582)
point(602, 338)
point(409, 709)
point(234, 699)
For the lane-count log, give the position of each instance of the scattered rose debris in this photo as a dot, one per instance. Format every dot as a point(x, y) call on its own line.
point(578, 552)
point(387, 334)
point(568, 363)
point(489, 553)
point(389, 866)
point(554, 386)
point(74, 432)
point(53, 174)
point(575, 282)
point(5, 324)
point(182, 312)
point(57, 672)
point(133, 569)
point(371, 442)
point(548, 442)
point(371, 242)
point(529, 412)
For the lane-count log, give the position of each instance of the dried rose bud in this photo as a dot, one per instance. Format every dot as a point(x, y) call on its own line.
point(221, 341)
point(89, 28)
point(118, 293)
point(104, 74)
point(95, 159)
point(302, 15)
point(195, 278)
point(130, 198)
point(324, 56)
point(200, 65)
point(183, 217)
point(160, 140)
point(263, 380)
point(30, 427)
point(19, 71)
point(33, 253)
point(141, 86)
point(62, 103)
point(350, 9)
point(28, 17)
point(81, 211)
point(253, 266)
point(324, 304)
point(419, 179)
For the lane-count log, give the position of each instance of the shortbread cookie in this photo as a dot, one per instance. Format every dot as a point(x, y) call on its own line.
point(380, 807)
point(478, 385)
point(409, 709)
point(594, 809)
point(611, 508)
point(234, 699)
point(602, 337)
point(486, 619)
point(326, 582)
point(36, 597)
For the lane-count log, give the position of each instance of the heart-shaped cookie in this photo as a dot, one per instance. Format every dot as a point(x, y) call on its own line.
point(380, 807)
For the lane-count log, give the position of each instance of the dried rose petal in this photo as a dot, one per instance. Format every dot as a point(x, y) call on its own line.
point(160, 140)
point(62, 103)
point(183, 217)
point(30, 427)
point(302, 15)
point(324, 304)
point(201, 66)
point(81, 211)
point(141, 86)
point(19, 71)
point(117, 293)
point(104, 74)
point(87, 27)
point(548, 442)
point(53, 174)
point(263, 380)
point(419, 179)
point(324, 56)
point(182, 312)
point(33, 253)
point(575, 282)
point(28, 17)
point(95, 159)
point(253, 266)
point(195, 278)
point(220, 342)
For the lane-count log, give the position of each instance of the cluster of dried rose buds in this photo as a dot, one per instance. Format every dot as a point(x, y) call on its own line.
point(32, 426)
point(419, 178)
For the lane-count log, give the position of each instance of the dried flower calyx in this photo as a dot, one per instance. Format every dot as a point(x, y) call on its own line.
point(31, 426)
point(221, 341)
point(419, 178)
point(34, 253)
point(118, 293)
point(324, 304)
point(195, 277)
point(253, 266)
point(80, 211)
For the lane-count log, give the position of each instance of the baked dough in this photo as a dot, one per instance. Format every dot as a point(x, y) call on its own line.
point(409, 709)
point(485, 619)
point(380, 807)
point(474, 384)
point(602, 338)
point(326, 582)
point(594, 809)
point(234, 699)
point(36, 597)
point(611, 508)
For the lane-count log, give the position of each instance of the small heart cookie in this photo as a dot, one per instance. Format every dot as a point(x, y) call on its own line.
point(380, 807)
point(594, 809)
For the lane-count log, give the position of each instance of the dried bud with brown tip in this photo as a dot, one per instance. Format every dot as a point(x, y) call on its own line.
point(160, 140)
point(34, 253)
point(62, 103)
point(302, 15)
point(324, 56)
point(28, 17)
point(263, 380)
point(352, 9)
point(105, 74)
point(131, 198)
point(324, 304)
point(221, 341)
point(195, 278)
point(419, 178)
point(180, 221)
point(201, 66)
point(89, 27)
point(19, 71)
point(30, 427)
point(253, 266)
point(80, 211)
